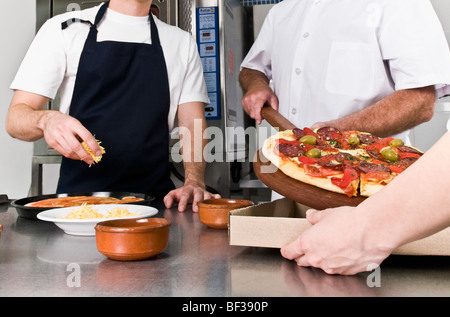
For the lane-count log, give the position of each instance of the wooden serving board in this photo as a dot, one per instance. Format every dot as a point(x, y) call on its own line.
point(293, 189)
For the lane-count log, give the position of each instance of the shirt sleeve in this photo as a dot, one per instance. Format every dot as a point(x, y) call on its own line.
point(413, 43)
point(194, 86)
point(43, 67)
point(260, 55)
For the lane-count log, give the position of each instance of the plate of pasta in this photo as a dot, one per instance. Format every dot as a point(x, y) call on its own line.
point(81, 220)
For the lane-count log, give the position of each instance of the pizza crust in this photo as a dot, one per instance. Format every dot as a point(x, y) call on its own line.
point(368, 187)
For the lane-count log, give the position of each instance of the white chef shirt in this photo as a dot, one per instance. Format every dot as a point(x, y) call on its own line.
point(329, 58)
point(51, 62)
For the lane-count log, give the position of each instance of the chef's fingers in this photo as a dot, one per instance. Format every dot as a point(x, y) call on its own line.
point(90, 140)
point(80, 152)
point(199, 195)
point(303, 261)
point(78, 133)
point(256, 113)
point(168, 199)
point(293, 249)
point(318, 125)
point(70, 147)
point(313, 216)
point(273, 102)
point(176, 195)
point(186, 192)
point(254, 102)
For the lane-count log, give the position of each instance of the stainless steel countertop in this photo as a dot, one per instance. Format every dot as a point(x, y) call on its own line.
point(39, 259)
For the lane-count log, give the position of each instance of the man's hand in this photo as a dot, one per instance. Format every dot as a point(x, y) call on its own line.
point(336, 243)
point(27, 120)
point(257, 93)
point(65, 134)
point(189, 193)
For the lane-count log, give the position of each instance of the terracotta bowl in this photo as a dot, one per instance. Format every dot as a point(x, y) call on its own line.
point(132, 239)
point(214, 212)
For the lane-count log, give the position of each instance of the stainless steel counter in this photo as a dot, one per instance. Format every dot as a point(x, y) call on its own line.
point(38, 259)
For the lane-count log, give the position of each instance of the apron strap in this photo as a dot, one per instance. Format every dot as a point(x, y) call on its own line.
point(101, 12)
point(98, 17)
point(65, 24)
point(154, 31)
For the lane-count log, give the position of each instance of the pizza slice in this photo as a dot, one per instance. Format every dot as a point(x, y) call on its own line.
point(386, 159)
point(381, 159)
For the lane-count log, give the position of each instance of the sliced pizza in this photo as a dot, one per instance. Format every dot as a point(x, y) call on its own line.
point(311, 162)
point(347, 162)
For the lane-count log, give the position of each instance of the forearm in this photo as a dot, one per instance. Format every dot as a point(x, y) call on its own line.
point(249, 78)
point(398, 112)
point(414, 205)
point(192, 127)
point(194, 173)
point(25, 123)
point(193, 161)
point(26, 116)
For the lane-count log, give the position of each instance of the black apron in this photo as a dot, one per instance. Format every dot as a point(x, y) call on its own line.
point(121, 96)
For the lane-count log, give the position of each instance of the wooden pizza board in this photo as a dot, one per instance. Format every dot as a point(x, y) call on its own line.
point(293, 189)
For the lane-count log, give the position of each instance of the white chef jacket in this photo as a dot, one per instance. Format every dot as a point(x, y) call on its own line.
point(330, 58)
point(51, 62)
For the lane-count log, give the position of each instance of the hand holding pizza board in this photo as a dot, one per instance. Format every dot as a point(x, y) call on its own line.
point(295, 190)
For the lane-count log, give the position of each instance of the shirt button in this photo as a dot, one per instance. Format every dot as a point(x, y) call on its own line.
point(317, 2)
point(305, 35)
point(294, 111)
point(298, 71)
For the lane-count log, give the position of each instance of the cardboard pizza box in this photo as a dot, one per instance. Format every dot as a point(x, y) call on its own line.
point(273, 224)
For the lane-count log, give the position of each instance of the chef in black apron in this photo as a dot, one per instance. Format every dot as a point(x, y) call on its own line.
point(122, 97)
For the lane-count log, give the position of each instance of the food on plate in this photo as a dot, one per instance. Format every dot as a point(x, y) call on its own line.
point(346, 162)
point(96, 158)
point(72, 201)
point(87, 212)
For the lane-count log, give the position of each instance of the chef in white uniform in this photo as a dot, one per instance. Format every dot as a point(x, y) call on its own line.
point(368, 65)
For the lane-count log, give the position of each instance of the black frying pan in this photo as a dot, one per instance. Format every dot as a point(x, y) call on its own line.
point(31, 212)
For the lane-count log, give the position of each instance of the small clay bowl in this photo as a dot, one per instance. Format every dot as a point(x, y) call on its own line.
point(132, 239)
point(214, 212)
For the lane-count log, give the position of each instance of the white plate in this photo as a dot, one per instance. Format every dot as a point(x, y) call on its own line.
point(85, 227)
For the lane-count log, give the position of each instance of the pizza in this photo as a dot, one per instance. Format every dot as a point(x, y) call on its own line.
point(347, 162)
point(72, 201)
